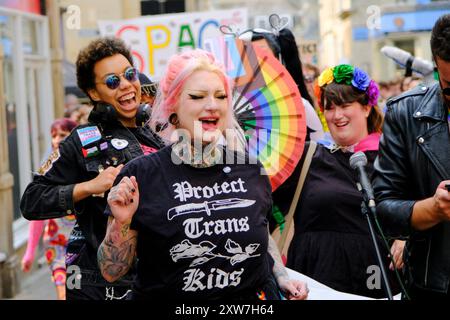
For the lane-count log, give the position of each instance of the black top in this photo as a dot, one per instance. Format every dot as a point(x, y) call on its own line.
point(202, 232)
point(331, 243)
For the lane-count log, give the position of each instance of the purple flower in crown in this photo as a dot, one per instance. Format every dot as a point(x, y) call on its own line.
point(373, 92)
point(360, 79)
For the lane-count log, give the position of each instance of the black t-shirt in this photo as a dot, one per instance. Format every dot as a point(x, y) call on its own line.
point(202, 232)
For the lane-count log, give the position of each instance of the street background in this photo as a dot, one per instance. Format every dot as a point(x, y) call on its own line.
point(40, 40)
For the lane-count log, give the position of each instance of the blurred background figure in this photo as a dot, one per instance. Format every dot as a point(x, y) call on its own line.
point(148, 89)
point(85, 110)
point(81, 114)
point(311, 72)
point(284, 47)
point(395, 86)
point(385, 93)
point(409, 83)
point(75, 110)
point(71, 103)
point(56, 231)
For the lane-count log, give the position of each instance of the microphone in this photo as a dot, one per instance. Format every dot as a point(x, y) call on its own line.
point(357, 162)
point(411, 63)
point(401, 57)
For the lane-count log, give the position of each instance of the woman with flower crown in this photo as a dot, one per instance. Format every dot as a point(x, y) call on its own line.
point(331, 241)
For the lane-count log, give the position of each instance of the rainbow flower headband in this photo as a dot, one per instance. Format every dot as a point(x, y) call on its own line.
point(347, 74)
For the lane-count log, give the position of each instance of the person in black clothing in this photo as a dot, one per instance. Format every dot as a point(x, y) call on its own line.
point(284, 47)
point(77, 176)
point(331, 241)
point(148, 89)
point(197, 225)
point(412, 172)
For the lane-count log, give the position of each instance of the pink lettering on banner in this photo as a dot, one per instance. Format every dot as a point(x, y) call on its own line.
point(137, 55)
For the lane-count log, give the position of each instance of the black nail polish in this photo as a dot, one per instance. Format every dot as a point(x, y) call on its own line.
point(131, 200)
point(133, 190)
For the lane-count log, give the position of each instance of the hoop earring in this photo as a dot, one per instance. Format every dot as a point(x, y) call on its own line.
point(173, 119)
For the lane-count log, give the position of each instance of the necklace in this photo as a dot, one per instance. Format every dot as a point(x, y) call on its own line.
point(203, 157)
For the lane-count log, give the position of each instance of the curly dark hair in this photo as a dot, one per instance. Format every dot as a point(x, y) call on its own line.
point(440, 38)
point(97, 50)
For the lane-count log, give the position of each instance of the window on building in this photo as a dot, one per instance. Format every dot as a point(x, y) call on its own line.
point(405, 1)
point(7, 43)
point(30, 37)
point(151, 7)
point(28, 101)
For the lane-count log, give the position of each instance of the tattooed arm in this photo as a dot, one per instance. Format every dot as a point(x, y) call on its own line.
point(279, 271)
point(116, 253)
point(293, 289)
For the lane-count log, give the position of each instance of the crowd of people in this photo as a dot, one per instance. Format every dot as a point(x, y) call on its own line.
point(155, 208)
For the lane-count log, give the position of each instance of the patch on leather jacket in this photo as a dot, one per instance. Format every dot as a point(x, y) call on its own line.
point(48, 164)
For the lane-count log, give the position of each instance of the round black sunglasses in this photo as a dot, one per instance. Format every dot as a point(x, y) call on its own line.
point(112, 81)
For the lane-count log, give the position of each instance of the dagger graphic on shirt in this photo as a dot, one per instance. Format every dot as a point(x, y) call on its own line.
point(208, 206)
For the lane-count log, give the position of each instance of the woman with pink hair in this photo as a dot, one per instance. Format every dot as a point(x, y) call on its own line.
point(56, 231)
point(164, 116)
point(205, 220)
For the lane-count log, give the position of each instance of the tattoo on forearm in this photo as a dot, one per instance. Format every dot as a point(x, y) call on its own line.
point(124, 229)
point(115, 257)
point(278, 268)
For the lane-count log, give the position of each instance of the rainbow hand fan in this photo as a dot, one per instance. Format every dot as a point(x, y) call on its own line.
point(267, 105)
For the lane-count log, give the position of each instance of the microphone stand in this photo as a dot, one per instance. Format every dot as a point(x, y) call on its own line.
point(365, 211)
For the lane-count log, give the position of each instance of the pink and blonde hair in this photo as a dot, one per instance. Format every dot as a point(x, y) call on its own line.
point(179, 68)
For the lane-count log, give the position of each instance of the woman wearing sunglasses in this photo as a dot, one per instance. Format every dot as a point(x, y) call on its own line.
point(77, 175)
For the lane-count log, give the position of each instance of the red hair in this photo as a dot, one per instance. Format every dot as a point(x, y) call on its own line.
point(65, 124)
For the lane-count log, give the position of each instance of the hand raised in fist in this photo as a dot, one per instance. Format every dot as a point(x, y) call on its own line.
point(123, 199)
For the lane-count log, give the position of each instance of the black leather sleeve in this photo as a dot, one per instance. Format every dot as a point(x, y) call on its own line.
point(390, 179)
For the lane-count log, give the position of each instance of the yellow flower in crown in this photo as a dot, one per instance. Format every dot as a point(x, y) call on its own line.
point(326, 77)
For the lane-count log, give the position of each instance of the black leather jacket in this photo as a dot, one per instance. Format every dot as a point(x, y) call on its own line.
point(50, 194)
point(414, 157)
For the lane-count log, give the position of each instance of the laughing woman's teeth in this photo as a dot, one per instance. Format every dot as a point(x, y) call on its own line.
point(209, 120)
point(127, 99)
